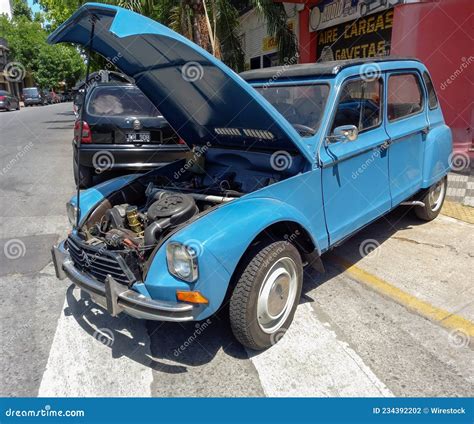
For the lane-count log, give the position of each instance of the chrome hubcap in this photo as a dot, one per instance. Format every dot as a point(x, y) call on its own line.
point(277, 295)
point(436, 195)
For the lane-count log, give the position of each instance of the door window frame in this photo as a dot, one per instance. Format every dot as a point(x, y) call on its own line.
point(421, 86)
point(348, 80)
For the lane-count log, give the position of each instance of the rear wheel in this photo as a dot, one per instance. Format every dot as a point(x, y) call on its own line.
point(85, 175)
point(266, 295)
point(433, 201)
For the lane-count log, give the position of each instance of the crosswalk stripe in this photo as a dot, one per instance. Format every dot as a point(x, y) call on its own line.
point(112, 361)
point(311, 361)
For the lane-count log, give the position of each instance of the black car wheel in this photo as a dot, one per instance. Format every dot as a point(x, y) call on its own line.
point(85, 175)
point(266, 295)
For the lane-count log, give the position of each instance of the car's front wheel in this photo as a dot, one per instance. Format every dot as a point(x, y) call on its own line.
point(266, 294)
point(433, 201)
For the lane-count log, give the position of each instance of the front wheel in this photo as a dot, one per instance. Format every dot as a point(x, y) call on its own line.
point(433, 201)
point(266, 295)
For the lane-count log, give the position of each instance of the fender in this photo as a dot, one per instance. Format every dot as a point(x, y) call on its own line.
point(228, 231)
point(436, 161)
point(94, 195)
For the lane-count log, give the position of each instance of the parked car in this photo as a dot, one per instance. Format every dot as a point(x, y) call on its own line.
point(118, 118)
point(52, 98)
point(8, 101)
point(33, 96)
point(289, 162)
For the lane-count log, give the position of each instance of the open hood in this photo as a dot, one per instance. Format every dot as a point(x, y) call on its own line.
point(202, 99)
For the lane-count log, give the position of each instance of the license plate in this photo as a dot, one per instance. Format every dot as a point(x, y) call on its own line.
point(138, 137)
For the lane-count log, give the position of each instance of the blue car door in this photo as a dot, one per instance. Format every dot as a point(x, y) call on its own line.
point(406, 124)
point(355, 173)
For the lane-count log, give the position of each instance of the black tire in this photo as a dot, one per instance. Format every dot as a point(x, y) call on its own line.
point(86, 175)
point(432, 209)
point(243, 312)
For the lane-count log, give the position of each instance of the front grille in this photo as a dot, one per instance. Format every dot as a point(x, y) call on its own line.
point(99, 262)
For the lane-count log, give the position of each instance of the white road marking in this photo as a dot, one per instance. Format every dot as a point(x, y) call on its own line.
point(85, 364)
point(310, 361)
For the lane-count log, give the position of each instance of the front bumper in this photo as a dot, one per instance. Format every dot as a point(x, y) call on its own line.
point(116, 297)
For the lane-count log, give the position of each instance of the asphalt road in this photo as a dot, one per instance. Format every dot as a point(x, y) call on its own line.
point(396, 322)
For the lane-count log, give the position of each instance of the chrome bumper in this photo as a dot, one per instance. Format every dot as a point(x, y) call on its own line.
point(116, 297)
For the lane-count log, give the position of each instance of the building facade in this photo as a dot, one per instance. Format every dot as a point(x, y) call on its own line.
point(438, 32)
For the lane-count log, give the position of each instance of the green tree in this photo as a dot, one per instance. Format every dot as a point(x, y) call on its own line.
point(48, 65)
point(212, 24)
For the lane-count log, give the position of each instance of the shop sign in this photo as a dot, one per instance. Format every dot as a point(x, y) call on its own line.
point(334, 12)
point(364, 37)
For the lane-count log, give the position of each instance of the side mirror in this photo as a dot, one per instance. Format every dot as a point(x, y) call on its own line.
point(344, 133)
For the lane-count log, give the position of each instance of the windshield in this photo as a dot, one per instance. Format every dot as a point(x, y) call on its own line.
point(302, 105)
point(120, 101)
point(30, 91)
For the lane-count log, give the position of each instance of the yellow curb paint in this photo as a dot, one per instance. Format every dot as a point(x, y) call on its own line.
point(438, 315)
point(458, 211)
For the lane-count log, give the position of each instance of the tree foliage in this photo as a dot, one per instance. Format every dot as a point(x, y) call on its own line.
point(212, 24)
point(26, 37)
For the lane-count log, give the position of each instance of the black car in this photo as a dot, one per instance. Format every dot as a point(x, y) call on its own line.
point(33, 96)
point(8, 101)
point(122, 130)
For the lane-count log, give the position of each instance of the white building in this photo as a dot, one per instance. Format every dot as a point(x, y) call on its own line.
point(260, 49)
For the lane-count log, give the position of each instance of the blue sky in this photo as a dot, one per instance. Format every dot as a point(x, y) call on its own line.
point(34, 7)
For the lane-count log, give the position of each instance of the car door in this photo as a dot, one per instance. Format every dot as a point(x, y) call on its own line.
point(355, 180)
point(406, 124)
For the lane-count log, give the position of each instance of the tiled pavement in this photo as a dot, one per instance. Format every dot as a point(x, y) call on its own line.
point(461, 187)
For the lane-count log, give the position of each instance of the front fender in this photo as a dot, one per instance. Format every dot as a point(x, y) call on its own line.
point(220, 239)
point(94, 195)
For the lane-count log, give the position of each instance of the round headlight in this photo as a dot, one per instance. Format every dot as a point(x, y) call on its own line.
point(71, 213)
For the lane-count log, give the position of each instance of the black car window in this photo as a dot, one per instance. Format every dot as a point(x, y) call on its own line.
point(120, 101)
point(432, 98)
point(404, 96)
point(359, 105)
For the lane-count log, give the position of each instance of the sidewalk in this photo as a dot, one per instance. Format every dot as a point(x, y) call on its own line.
point(459, 202)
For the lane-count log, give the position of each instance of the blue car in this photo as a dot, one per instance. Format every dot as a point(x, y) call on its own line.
point(285, 164)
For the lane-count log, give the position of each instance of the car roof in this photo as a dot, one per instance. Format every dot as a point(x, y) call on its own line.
point(330, 68)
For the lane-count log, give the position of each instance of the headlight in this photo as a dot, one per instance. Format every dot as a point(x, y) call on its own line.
point(182, 261)
point(71, 213)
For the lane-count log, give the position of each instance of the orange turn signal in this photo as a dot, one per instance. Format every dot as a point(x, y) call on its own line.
point(191, 297)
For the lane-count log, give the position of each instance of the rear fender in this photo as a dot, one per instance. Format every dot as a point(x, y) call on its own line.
point(438, 148)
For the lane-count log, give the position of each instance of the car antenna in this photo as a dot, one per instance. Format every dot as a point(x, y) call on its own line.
point(92, 20)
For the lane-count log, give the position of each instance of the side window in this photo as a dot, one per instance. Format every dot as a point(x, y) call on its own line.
point(359, 105)
point(432, 98)
point(405, 97)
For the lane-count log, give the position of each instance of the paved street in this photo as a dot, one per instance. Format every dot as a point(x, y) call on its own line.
point(395, 322)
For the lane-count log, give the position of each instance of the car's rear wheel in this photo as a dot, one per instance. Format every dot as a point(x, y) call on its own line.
point(266, 295)
point(85, 176)
point(433, 201)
